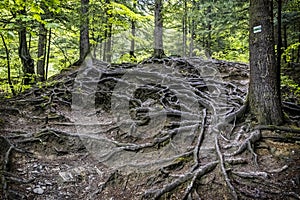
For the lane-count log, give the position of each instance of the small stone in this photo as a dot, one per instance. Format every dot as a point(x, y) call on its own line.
point(48, 182)
point(38, 190)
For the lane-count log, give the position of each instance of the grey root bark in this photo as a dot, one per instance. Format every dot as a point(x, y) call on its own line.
point(264, 99)
point(158, 30)
point(84, 31)
point(41, 53)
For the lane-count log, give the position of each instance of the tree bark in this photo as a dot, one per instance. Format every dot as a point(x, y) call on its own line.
point(41, 53)
point(285, 44)
point(48, 54)
point(158, 30)
point(8, 66)
point(133, 33)
point(279, 44)
point(264, 100)
point(27, 61)
point(109, 43)
point(209, 27)
point(184, 28)
point(84, 30)
point(298, 53)
point(107, 34)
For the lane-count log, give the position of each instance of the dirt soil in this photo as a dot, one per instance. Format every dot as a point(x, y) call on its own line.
point(163, 129)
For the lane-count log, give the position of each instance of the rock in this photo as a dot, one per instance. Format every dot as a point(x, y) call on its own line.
point(38, 190)
point(48, 182)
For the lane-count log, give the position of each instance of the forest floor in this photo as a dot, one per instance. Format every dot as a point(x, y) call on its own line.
point(164, 129)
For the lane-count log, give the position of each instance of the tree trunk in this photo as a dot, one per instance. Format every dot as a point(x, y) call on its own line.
point(209, 27)
point(107, 34)
point(48, 54)
point(109, 43)
point(8, 66)
point(264, 100)
point(41, 53)
point(298, 53)
point(132, 43)
point(133, 33)
point(285, 40)
point(184, 28)
point(105, 43)
point(84, 30)
point(27, 61)
point(279, 45)
point(158, 30)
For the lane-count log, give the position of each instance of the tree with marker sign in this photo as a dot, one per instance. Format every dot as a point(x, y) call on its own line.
point(264, 91)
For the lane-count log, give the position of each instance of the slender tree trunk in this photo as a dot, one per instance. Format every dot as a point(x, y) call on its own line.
point(107, 47)
point(48, 54)
point(41, 53)
point(133, 33)
point(8, 66)
point(104, 44)
point(285, 40)
point(132, 43)
point(293, 50)
point(298, 54)
point(184, 29)
point(84, 31)
point(279, 45)
point(109, 44)
point(193, 34)
point(191, 51)
point(264, 99)
point(158, 30)
point(208, 41)
point(27, 61)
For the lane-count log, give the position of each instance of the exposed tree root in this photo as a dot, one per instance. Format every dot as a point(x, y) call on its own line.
point(215, 133)
point(280, 128)
point(223, 170)
point(157, 193)
point(254, 137)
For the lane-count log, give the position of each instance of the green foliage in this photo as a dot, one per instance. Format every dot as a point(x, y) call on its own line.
point(219, 28)
point(288, 53)
point(291, 90)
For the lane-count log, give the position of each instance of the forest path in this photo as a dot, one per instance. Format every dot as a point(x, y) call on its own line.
point(160, 129)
